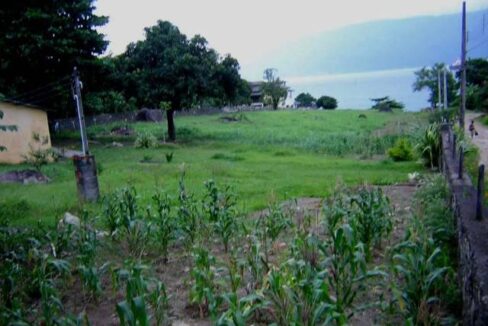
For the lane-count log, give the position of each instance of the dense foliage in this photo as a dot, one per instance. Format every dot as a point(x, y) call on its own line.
point(428, 78)
point(41, 42)
point(477, 84)
point(383, 104)
point(326, 102)
point(274, 89)
point(305, 100)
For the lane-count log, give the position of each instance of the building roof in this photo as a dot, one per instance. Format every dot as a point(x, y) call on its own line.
point(20, 103)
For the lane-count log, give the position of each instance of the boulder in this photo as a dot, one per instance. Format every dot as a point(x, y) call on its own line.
point(69, 219)
point(152, 115)
point(24, 177)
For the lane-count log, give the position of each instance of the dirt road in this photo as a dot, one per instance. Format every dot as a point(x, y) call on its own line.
point(481, 141)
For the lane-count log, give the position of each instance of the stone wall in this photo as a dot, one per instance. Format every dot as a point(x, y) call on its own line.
point(472, 238)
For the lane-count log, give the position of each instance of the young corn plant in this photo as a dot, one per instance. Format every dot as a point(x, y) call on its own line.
point(132, 311)
point(159, 301)
point(188, 217)
point(256, 262)
point(136, 229)
point(220, 209)
point(275, 291)
point(270, 226)
point(344, 260)
point(204, 289)
point(415, 263)
point(110, 214)
point(240, 311)
point(46, 270)
point(305, 247)
point(309, 292)
point(164, 222)
point(371, 218)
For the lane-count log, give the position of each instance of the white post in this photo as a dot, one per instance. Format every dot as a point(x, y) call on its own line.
point(445, 88)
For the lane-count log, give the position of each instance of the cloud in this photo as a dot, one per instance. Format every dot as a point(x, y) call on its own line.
point(248, 29)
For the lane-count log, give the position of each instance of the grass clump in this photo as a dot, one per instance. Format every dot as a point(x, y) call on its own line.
point(145, 140)
point(226, 157)
point(402, 151)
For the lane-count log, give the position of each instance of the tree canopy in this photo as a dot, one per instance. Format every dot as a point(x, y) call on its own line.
point(41, 42)
point(168, 67)
point(477, 84)
point(327, 102)
point(386, 104)
point(274, 89)
point(305, 100)
point(428, 77)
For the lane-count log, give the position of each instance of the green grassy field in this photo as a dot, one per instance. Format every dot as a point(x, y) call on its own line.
point(264, 156)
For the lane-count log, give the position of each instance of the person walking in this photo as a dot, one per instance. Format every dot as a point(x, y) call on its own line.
point(472, 129)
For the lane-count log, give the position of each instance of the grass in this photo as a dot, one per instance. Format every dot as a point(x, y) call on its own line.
point(269, 155)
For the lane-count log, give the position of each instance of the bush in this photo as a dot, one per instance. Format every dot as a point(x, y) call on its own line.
point(39, 155)
point(429, 146)
point(402, 151)
point(145, 140)
point(109, 102)
point(327, 102)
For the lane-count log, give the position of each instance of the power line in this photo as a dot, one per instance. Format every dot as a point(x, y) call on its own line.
point(40, 98)
point(477, 45)
point(40, 89)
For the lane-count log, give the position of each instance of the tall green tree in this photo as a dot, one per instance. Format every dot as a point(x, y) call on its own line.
point(327, 102)
point(427, 78)
point(274, 88)
point(168, 67)
point(304, 100)
point(477, 84)
point(41, 42)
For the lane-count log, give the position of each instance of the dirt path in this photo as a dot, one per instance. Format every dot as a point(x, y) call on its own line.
point(481, 141)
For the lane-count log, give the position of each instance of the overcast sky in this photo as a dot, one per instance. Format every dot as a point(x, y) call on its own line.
point(248, 28)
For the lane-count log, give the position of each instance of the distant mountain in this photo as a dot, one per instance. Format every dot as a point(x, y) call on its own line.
point(379, 45)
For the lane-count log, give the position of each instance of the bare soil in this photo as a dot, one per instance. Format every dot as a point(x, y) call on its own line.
point(175, 274)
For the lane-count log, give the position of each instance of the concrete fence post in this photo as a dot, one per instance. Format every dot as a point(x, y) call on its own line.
point(453, 146)
point(480, 193)
point(461, 163)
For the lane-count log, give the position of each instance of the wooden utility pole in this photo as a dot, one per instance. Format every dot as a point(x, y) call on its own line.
point(463, 70)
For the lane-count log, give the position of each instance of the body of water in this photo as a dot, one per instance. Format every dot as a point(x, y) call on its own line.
point(354, 90)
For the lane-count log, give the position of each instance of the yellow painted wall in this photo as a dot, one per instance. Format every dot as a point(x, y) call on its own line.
point(28, 121)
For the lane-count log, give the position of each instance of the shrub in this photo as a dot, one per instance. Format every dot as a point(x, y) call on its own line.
point(402, 151)
point(145, 140)
point(327, 102)
point(429, 146)
point(38, 154)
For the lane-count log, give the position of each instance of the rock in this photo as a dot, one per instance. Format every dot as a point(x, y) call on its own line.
point(122, 131)
point(24, 177)
point(116, 144)
point(149, 115)
point(69, 219)
point(101, 234)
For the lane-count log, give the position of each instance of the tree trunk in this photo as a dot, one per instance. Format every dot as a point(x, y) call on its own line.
point(171, 125)
point(275, 103)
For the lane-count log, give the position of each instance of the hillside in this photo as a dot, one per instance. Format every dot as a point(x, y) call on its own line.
point(380, 45)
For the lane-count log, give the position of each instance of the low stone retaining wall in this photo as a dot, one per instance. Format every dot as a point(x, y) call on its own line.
point(127, 117)
point(472, 238)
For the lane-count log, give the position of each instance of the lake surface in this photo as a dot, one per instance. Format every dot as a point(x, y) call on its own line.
point(354, 90)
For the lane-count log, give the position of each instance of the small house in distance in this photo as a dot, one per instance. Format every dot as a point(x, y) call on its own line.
point(257, 96)
point(29, 120)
